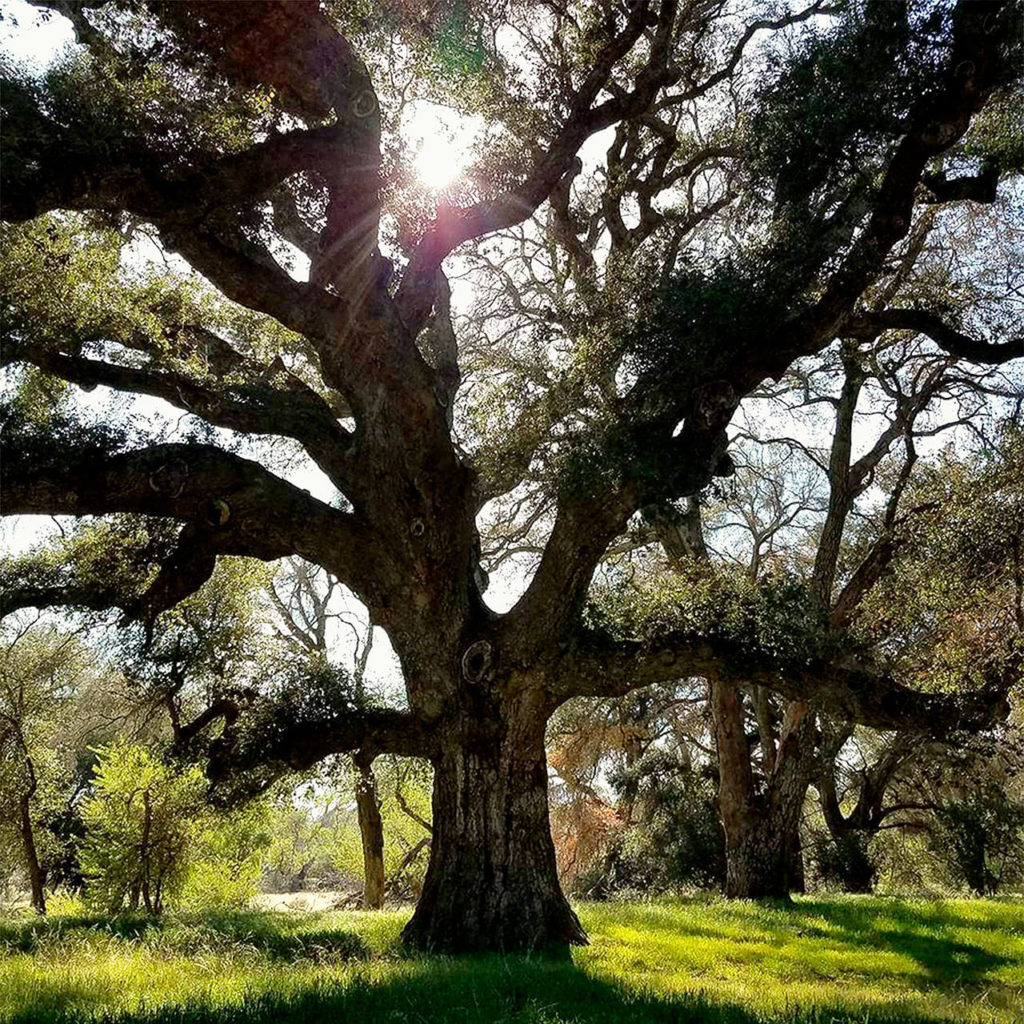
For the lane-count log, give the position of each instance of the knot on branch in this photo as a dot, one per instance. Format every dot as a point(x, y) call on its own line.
point(417, 528)
point(476, 660)
point(714, 403)
point(170, 478)
point(365, 104)
point(216, 512)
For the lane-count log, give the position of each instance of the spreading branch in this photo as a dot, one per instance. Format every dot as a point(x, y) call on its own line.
point(233, 505)
point(949, 339)
point(853, 693)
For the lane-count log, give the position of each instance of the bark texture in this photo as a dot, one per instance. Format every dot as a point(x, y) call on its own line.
point(492, 883)
point(36, 879)
point(763, 859)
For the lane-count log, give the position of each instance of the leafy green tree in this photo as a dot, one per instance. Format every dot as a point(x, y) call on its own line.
point(980, 837)
point(742, 227)
point(45, 675)
point(225, 865)
point(153, 839)
point(143, 819)
point(677, 839)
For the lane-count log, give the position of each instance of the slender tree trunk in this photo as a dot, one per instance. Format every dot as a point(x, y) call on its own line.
point(144, 854)
point(492, 883)
point(371, 831)
point(28, 840)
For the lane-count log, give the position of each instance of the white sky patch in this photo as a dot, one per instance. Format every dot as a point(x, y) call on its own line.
point(441, 139)
point(27, 35)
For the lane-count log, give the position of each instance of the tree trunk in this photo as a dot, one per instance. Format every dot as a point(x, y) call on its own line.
point(371, 831)
point(762, 844)
point(795, 859)
point(492, 883)
point(759, 862)
point(144, 852)
point(35, 872)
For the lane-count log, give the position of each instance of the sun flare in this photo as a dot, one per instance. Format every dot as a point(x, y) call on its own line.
point(437, 162)
point(440, 142)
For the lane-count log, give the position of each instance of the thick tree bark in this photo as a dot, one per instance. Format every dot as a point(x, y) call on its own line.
point(371, 831)
point(759, 861)
point(492, 883)
point(763, 859)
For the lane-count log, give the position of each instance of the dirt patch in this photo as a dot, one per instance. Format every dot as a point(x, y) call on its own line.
point(301, 902)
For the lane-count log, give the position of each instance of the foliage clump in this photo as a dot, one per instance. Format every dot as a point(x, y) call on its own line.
point(676, 839)
point(775, 620)
point(980, 837)
point(153, 841)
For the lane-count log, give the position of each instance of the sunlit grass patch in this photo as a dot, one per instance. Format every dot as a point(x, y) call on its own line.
point(817, 961)
point(956, 960)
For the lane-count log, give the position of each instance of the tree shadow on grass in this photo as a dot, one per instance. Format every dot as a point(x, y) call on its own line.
point(892, 926)
point(948, 960)
point(474, 990)
point(257, 933)
point(30, 934)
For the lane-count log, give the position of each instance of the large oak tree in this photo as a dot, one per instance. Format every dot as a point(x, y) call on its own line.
point(737, 228)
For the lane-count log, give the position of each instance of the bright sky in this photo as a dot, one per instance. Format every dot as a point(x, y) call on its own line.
point(27, 36)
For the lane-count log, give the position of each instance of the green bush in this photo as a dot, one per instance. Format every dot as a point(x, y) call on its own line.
point(226, 860)
point(677, 839)
point(981, 839)
point(152, 840)
point(844, 862)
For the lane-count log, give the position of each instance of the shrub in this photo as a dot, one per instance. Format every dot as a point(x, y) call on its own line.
point(153, 840)
point(981, 838)
point(844, 862)
point(225, 862)
point(141, 822)
point(677, 839)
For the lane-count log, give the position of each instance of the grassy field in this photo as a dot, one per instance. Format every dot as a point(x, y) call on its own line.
point(819, 961)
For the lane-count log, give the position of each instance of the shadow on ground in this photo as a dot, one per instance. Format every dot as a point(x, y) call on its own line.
point(775, 944)
point(470, 990)
point(885, 926)
point(257, 933)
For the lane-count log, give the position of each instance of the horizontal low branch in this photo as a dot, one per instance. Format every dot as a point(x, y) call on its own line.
point(232, 505)
point(294, 411)
point(853, 692)
point(249, 762)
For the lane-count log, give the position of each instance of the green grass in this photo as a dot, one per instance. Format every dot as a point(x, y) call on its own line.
point(818, 961)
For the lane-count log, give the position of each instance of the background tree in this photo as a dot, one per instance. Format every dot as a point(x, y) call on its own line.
point(306, 611)
point(979, 836)
point(45, 725)
point(240, 135)
point(634, 806)
point(140, 819)
point(152, 838)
